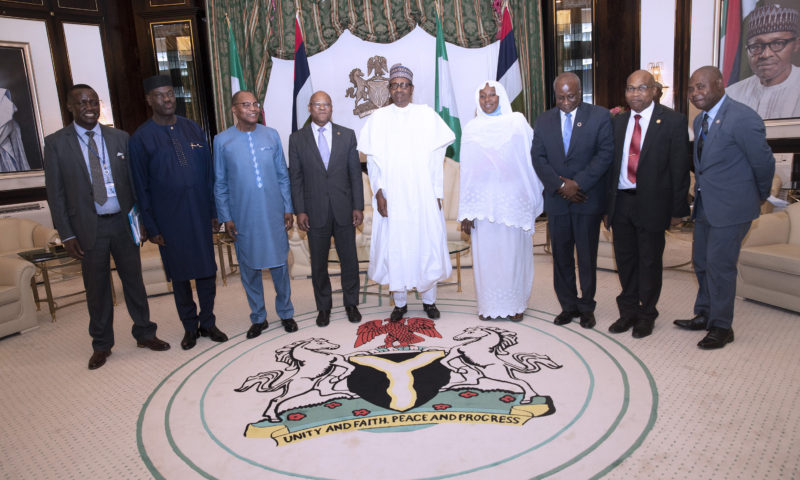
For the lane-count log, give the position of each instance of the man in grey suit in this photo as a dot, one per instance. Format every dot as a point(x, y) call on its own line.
point(90, 194)
point(328, 198)
point(733, 167)
point(573, 148)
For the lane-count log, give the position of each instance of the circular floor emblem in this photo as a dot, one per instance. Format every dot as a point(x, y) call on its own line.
point(413, 399)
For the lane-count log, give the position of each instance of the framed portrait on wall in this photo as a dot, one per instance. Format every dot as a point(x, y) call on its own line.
point(21, 131)
point(758, 51)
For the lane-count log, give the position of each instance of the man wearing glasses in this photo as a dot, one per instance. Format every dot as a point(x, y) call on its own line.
point(774, 90)
point(174, 179)
point(328, 198)
point(254, 201)
point(405, 144)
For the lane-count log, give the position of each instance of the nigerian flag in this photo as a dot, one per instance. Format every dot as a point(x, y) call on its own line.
point(235, 66)
point(445, 104)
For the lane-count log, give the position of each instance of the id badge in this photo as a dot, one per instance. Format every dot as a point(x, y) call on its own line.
point(111, 191)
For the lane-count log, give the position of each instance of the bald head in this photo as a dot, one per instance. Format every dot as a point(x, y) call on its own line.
point(640, 90)
point(567, 87)
point(320, 108)
point(706, 87)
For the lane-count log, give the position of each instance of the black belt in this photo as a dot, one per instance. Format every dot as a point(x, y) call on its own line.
point(627, 191)
point(107, 215)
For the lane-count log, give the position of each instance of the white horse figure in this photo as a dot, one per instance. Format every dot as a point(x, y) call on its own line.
point(313, 368)
point(480, 357)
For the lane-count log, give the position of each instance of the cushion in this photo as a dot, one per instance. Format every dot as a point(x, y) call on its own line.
point(779, 257)
point(8, 294)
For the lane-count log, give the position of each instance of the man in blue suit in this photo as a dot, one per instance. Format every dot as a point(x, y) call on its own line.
point(733, 167)
point(573, 148)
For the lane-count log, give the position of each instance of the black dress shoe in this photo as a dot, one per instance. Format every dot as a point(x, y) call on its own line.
point(256, 329)
point(566, 317)
point(587, 320)
point(431, 311)
point(716, 338)
point(323, 318)
point(699, 322)
point(397, 313)
point(643, 327)
point(289, 324)
point(214, 334)
point(98, 359)
point(154, 343)
point(189, 340)
point(621, 325)
point(353, 315)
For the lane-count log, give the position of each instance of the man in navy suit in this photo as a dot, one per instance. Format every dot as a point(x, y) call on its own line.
point(647, 192)
point(733, 167)
point(328, 198)
point(573, 148)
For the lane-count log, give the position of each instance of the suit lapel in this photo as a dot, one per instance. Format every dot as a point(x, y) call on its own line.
point(111, 149)
point(312, 145)
point(715, 126)
point(581, 115)
point(653, 130)
point(77, 153)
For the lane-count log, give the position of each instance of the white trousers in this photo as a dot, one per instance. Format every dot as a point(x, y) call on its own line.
point(428, 297)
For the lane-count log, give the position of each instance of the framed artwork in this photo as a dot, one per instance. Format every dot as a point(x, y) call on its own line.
point(21, 132)
point(758, 51)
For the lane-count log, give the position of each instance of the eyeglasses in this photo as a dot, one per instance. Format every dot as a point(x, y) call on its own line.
point(775, 45)
point(249, 104)
point(403, 85)
point(640, 89)
point(160, 95)
point(320, 105)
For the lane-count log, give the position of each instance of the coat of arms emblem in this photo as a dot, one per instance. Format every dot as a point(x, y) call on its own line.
point(373, 92)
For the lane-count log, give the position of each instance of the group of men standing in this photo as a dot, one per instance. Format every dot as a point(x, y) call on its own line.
point(632, 173)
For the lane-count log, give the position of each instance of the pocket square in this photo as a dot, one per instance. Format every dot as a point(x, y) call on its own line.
point(120, 154)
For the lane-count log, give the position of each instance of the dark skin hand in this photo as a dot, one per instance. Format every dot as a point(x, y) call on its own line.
point(302, 220)
point(158, 240)
point(74, 248)
point(214, 225)
point(571, 191)
point(381, 204)
point(358, 217)
point(230, 227)
point(467, 226)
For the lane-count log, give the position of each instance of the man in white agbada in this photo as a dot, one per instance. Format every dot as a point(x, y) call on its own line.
point(12, 153)
point(405, 145)
point(500, 198)
point(773, 90)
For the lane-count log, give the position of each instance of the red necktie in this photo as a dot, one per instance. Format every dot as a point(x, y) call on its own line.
point(634, 150)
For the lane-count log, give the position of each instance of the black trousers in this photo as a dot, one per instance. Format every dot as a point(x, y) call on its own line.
point(319, 244)
point(114, 239)
point(187, 309)
point(639, 256)
point(572, 233)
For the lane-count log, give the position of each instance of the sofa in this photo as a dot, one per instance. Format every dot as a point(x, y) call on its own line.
point(769, 263)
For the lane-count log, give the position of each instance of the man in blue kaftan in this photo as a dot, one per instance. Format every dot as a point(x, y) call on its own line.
point(174, 179)
point(254, 201)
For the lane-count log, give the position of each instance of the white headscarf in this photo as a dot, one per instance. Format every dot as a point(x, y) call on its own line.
point(497, 178)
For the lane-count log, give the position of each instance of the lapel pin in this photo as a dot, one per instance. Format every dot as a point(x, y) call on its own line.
point(580, 124)
point(338, 133)
point(717, 121)
point(658, 121)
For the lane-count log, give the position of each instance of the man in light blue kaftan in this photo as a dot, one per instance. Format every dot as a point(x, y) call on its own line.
point(253, 198)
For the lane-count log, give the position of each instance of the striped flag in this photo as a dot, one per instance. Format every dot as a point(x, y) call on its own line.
point(445, 103)
point(508, 71)
point(301, 95)
point(734, 12)
point(235, 65)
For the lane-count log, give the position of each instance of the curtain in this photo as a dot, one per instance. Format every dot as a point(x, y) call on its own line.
point(265, 28)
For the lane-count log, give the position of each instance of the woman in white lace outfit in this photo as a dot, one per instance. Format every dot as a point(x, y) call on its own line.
point(500, 198)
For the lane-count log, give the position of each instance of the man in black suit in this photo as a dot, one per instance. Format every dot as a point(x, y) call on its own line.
point(328, 198)
point(647, 192)
point(89, 191)
point(572, 151)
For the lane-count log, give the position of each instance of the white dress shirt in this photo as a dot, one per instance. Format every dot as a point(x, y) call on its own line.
point(644, 122)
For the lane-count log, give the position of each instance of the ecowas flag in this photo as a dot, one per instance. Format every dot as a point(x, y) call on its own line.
point(445, 104)
point(301, 96)
point(508, 72)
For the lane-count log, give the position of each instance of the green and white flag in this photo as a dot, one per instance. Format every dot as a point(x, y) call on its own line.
point(235, 66)
point(445, 104)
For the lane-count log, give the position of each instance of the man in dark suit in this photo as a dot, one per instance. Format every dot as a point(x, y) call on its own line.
point(328, 198)
point(90, 194)
point(572, 151)
point(647, 192)
point(733, 167)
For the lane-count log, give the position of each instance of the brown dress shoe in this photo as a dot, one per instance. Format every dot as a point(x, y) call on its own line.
point(98, 359)
point(154, 343)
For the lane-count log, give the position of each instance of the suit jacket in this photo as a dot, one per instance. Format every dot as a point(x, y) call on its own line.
point(69, 188)
point(735, 174)
point(662, 178)
point(587, 161)
point(318, 192)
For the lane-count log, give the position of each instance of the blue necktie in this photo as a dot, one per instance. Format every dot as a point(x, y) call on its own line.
point(324, 151)
point(567, 132)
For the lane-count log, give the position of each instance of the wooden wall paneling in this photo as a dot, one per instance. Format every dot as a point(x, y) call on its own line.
point(683, 43)
point(81, 6)
point(27, 4)
point(616, 48)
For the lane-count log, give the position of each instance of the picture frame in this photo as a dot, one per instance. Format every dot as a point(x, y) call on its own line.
point(735, 63)
point(22, 134)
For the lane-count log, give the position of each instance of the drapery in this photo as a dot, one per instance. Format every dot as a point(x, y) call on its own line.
point(265, 28)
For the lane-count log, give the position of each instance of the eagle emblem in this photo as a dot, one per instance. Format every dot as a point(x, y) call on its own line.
point(373, 92)
point(398, 334)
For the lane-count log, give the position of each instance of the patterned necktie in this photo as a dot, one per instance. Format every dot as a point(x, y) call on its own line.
point(98, 182)
point(324, 151)
point(567, 132)
point(702, 139)
point(178, 147)
point(634, 150)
